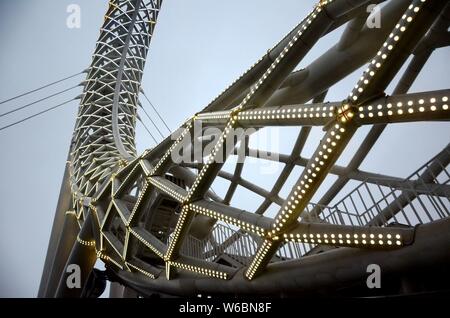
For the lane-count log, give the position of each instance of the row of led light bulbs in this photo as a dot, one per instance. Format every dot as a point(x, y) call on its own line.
point(356, 239)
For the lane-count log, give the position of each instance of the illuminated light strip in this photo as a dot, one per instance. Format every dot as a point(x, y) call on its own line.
point(233, 116)
point(200, 270)
point(105, 218)
point(115, 184)
point(167, 190)
point(146, 243)
point(85, 243)
point(288, 113)
point(94, 211)
point(126, 167)
point(211, 158)
point(122, 210)
point(172, 147)
point(96, 168)
point(323, 3)
point(237, 79)
point(127, 178)
point(92, 169)
point(146, 166)
point(404, 108)
point(346, 239)
point(125, 244)
point(138, 202)
point(388, 46)
point(313, 171)
point(80, 224)
point(258, 259)
point(218, 216)
point(176, 233)
point(115, 7)
point(317, 9)
point(344, 113)
point(141, 270)
point(304, 26)
point(106, 258)
point(230, 125)
point(105, 235)
point(212, 116)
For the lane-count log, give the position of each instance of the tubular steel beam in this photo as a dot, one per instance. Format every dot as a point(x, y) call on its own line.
point(328, 69)
point(406, 81)
point(391, 109)
point(340, 11)
point(350, 236)
point(105, 127)
point(410, 28)
point(328, 271)
point(296, 47)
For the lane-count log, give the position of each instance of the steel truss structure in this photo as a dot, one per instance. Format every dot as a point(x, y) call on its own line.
point(159, 227)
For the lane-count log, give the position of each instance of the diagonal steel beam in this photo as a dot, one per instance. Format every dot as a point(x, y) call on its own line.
point(414, 23)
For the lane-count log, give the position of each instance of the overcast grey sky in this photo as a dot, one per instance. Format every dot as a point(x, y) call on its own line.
point(199, 47)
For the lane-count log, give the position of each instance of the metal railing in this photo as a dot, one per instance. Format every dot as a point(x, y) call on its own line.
point(421, 198)
point(237, 245)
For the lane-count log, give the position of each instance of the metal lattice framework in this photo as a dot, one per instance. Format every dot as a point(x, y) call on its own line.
point(119, 198)
point(105, 128)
